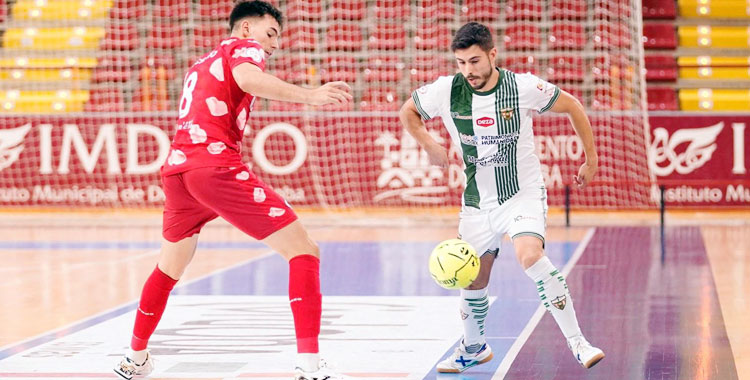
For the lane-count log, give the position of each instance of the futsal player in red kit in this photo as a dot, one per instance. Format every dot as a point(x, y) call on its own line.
point(204, 178)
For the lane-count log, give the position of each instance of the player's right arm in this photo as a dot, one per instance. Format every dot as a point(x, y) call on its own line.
point(251, 79)
point(412, 122)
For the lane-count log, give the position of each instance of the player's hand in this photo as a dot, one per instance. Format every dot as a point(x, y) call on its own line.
point(331, 93)
point(585, 174)
point(438, 155)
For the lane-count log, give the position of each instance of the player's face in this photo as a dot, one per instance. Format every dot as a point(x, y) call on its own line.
point(476, 65)
point(265, 30)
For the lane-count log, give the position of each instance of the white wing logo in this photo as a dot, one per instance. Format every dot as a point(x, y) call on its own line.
point(11, 144)
point(664, 160)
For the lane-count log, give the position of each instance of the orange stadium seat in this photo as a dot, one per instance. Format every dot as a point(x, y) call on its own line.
point(433, 36)
point(293, 69)
point(661, 99)
point(659, 36)
point(164, 36)
point(481, 10)
point(522, 37)
point(522, 64)
point(215, 9)
point(436, 10)
point(348, 9)
point(398, 10)
point(379, 99)
point(156, 62)
point(384, 69)
point(427, 68)
point(387, 37)
point(602, 64)
point(208, 35)
point(172, 9)
point(149, 101)
point(104, 100)
point(661, 68)
point(341, 67)
point(659, 9)
point(344, 37)
point(611, 34)
point(523, 10)
point(299, 36)
point(568, 9)
point(566, 68)
point(127, 9)
point(112, 68)
point(567, 36)
point(303, 10)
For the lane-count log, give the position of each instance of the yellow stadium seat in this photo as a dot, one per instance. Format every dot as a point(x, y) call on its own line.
point(46, 75)
point(714, 8)
point(53, 38)
point(704, 36)
point(48, 63)
point(705, 67)
point(705, 99)
point(61, 9)
point(14, 101)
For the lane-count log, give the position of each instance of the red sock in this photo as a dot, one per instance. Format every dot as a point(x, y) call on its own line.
point(153, 301)
point(305, 300)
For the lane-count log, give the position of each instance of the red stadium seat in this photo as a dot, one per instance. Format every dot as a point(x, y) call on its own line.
point(661, 68)
point(568, 9)
point(164, 36)
point(342, 68)
point(398, 10)
point(659, 36)
point(208, 35)
point(573, 89)
point(662, 99)
point(522, 37)
point(433, 36)
point(522, 64)
point(600, 70)
point(436, 10)
point(304, 10)
point(344, 37)
point(567, 36)
point(278, 106)
point(172, 9)
point(380, 99)
point(566, 68)
point(659, 9)
point(293, 69)
point(427, 68)
point(104, 100)
point(612, 10)
point(120, 37)
point(112, 68)
point(481, 10)
point(384, 69)
point(387, 37)
point(299, 36)
point(215, 9)
point(348, 9)
point(159, 62)
point(611, 35)
point(126, 9)
point(523, 10)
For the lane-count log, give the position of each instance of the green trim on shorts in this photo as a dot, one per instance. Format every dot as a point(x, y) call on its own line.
point(494, 252)
point(529, 234)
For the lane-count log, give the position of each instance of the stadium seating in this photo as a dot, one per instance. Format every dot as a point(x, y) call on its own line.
point(569, 68)
point(127, 9)
point(436, 10)
point(661, 99)
point(714, 9)
point(299, 36)
point(705, 99)
point(104, 100)
point(342, 36)
point(384, 69)
point(53, 38)
point(293, 69)
point(215, 9)
point(522, 37)
point(661, 68)
point(113, 68)
point(433, 36)
point(172, 9)
point(707, 67)
point(339, 67)
point(659, 36)
point(303, 10)
point(522, 64)
point(164, 36)
point(387, 37)
point(121, 37)
point(394, 10)
point(523, 10)
point(723, 37)
point(207, 35)
point(60, 9)
point(42, 101)
point(480, 10)
point(427, 68)
point(567, 36)
point(568, 9)
point(380, 99)
point(659, 9)
point(348, 9)
point(611, 34)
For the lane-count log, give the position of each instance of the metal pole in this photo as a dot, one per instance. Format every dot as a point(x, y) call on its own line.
point(662, 207)
point(567, 205)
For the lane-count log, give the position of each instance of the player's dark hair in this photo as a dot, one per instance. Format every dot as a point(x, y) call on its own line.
point(256, 8)
point(472, 34)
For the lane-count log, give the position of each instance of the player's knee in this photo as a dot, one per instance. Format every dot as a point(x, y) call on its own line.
point(308, 247)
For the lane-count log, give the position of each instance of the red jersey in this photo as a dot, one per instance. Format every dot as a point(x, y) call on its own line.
point(213, 109)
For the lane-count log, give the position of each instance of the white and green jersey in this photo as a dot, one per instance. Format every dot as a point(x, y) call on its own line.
point(493, 129)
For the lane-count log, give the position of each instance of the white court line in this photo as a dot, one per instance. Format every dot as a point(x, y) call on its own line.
point(534, 321)
point(262, 255)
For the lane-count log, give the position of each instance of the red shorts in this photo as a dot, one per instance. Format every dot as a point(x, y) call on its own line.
point(195, 197)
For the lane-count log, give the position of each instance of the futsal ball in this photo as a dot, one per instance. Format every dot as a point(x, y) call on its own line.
point(454, 264)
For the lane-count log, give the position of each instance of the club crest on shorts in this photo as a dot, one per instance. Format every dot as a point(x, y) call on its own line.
point(506, 113)
point(275, 212)
point(259, 195)
point(560, 302)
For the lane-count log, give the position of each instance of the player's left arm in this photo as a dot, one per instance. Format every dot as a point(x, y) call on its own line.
point(568, 104)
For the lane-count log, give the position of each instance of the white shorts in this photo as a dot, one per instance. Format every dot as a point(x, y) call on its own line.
point(523, 214)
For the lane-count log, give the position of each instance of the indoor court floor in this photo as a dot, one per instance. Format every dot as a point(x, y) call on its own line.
point(70, 283)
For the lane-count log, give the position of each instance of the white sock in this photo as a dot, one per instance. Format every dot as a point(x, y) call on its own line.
point(308, 362)
point(474, 307)
point(139, 357)
point(553, 291)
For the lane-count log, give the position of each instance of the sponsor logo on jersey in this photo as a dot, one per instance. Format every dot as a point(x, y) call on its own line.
point(249, 52)
point(508, 138)
point(506, 113)
point(485, 122)
point(499, 159)
point(259, 195)
point(11, 144)
point(456, 115)
point(276, 212)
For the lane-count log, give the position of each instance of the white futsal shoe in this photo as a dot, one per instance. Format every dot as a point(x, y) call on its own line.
point(323, 373)
point(584, 352)
point(127, 368)
point(462, 360)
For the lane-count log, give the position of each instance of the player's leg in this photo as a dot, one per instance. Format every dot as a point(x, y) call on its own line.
point(527, 229)
point(474, 300)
